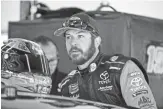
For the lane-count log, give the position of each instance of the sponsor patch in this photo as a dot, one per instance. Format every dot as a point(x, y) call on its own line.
point(135, 73)
point(140, 92)
point(136, 82)
point(138, 88)
point(73, 88)
point(104, 75)
point(92, 67)
point(106, 88)
point(104, 78)
point(114, 68)
point(114, 58)
point(104, 82)
point(145, 102)
point(119, 62)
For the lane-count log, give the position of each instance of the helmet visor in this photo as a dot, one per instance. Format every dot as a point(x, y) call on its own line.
point(18, 61)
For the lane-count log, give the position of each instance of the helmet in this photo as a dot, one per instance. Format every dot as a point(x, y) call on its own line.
point(20, 55)
point(26, 61)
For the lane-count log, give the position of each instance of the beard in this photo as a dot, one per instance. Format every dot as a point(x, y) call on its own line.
point(81, 57)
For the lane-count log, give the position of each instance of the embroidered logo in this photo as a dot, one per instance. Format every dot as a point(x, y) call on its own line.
point(92, 67)
point(104, 75)
point(73, 88)
point(114, 58)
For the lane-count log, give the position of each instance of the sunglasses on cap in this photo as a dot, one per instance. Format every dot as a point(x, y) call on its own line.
point(80, 25)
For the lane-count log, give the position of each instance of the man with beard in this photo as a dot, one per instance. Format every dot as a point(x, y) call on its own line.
point(115, 79)
point(51, 52)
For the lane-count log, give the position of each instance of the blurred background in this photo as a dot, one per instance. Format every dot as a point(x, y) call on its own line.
point(133, 28)
point(15, 10)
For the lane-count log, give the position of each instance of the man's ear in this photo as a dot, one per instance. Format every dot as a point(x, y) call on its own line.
point(97, 41)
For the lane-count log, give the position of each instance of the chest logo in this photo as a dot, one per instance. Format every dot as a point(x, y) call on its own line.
point(92, 67)
point(104, 75)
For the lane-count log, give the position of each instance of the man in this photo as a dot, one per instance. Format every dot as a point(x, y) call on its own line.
point(51, 52)
point(116, 79)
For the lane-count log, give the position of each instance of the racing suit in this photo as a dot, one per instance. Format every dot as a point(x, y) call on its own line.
point(116, 79)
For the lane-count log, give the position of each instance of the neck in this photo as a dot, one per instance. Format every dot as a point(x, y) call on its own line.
point(85, 65)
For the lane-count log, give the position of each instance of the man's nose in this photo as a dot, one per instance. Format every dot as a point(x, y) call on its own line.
point(73, 42)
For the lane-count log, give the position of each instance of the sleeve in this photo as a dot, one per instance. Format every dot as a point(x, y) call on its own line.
point(63, 86)
point(135, 90)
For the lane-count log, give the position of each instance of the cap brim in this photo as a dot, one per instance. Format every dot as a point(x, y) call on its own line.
point(61, 31)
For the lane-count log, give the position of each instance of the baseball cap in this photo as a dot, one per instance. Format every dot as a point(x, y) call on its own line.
point(78, 21)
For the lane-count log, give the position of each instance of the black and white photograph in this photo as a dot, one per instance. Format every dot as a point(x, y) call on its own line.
point(81, 54)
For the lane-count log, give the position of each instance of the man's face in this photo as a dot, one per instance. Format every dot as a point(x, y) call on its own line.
point(80, 46)
point(51, 54)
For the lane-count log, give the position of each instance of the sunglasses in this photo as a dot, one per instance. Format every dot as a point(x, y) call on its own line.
point(79, 24)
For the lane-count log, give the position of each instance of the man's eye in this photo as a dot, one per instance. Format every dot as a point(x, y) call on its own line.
point(80, 36)
point(68, 37)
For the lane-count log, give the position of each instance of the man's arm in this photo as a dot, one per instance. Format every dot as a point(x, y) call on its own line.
point(63, 86)
point(135, 90)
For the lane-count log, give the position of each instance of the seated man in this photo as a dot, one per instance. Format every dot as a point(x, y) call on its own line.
point(51, 52)
point(115, 79)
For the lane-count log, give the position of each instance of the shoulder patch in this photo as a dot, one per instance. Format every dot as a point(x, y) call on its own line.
point(114, 58)
point(118, 58)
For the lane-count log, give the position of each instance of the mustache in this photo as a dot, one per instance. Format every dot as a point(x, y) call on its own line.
point(76, 49)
